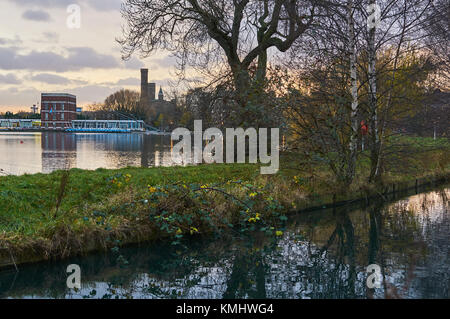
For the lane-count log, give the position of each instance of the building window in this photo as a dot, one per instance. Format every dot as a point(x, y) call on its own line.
point(46, 116)
point(62, 106)
point(62, 114)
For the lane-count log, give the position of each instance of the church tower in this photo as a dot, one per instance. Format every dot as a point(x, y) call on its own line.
point(161, 94)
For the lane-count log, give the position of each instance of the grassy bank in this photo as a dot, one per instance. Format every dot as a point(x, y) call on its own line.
point(67, 213)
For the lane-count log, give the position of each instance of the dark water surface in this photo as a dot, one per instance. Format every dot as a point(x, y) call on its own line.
point(322, 254)
point(45, 152)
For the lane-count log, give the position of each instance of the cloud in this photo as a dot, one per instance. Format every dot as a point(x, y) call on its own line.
point(50, 79)
point(165, 62)
point(87, 57)
point(86, 94)
point(78, 58)
point(92, 93)
point(48, 37)
point(9, 79)
point(105, 5)
point(18, 97)
point(36, 15)
point(11, 42)
point(98, 5)
point(129, 82)
point(133, 63)
point(43, 3)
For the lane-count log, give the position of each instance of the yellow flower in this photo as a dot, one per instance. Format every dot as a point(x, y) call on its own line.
point(151, 189)
point(194, 230)
point(253, 194)
point(279, 233)
point(252, 220)
point(179, 231)
point(203, 186)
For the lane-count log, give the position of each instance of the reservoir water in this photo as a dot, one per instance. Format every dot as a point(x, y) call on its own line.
point(45, 152)
point(322, 254)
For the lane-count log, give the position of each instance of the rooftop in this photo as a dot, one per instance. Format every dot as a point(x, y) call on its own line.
point(58, 94)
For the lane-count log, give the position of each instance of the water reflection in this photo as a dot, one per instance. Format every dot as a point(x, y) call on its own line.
point(322, 254)
point(45, 152)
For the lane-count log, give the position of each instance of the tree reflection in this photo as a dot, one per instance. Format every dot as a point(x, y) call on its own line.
point(248, 273)
point(321, 255)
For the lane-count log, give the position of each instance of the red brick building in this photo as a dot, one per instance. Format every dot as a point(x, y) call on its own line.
point(58, 110)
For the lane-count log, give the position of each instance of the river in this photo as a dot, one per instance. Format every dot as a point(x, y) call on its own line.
point(30, 153)
point(322, 254)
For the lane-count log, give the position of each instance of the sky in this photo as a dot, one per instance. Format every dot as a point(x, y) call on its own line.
point(41, 52)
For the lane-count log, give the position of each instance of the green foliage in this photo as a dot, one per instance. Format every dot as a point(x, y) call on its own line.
point(109, 208)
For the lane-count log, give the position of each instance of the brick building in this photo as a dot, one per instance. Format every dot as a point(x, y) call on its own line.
point(58, 110)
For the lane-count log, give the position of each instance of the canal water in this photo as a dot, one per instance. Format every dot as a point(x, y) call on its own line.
point(322, 254)
point(45, 152)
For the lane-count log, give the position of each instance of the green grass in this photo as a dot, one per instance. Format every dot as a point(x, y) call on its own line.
point(101, 206)
point(30, 199)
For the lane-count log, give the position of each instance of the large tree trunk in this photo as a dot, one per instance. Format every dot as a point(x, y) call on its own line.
point(250, 89)
point(261, 69)
point(242, 82)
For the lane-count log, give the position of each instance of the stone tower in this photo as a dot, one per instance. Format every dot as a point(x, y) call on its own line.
point(144, 86)
point(148, 90)
point(151, 91)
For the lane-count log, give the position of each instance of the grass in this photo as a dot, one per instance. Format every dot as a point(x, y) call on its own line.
point(61, 214)
point(30, 199)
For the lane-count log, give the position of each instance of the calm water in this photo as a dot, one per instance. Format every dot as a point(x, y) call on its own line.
point(22, 153)
point(323, 254)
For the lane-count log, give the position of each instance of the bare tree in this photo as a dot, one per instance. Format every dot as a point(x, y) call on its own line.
point(437, 28)
point(224, 35)
point(395, 34)
point(123, 104)
point(353, 144)
point(324, 111)
point(125, 101)
point(352, 66)
point(372, 80)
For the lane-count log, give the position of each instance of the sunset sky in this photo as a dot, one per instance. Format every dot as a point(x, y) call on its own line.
point(39, 53)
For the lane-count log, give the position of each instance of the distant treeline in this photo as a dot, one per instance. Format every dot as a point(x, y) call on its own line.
point(19, 115)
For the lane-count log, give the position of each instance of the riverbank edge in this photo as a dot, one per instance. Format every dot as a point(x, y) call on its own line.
point(11, 257)
point(43, 130)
